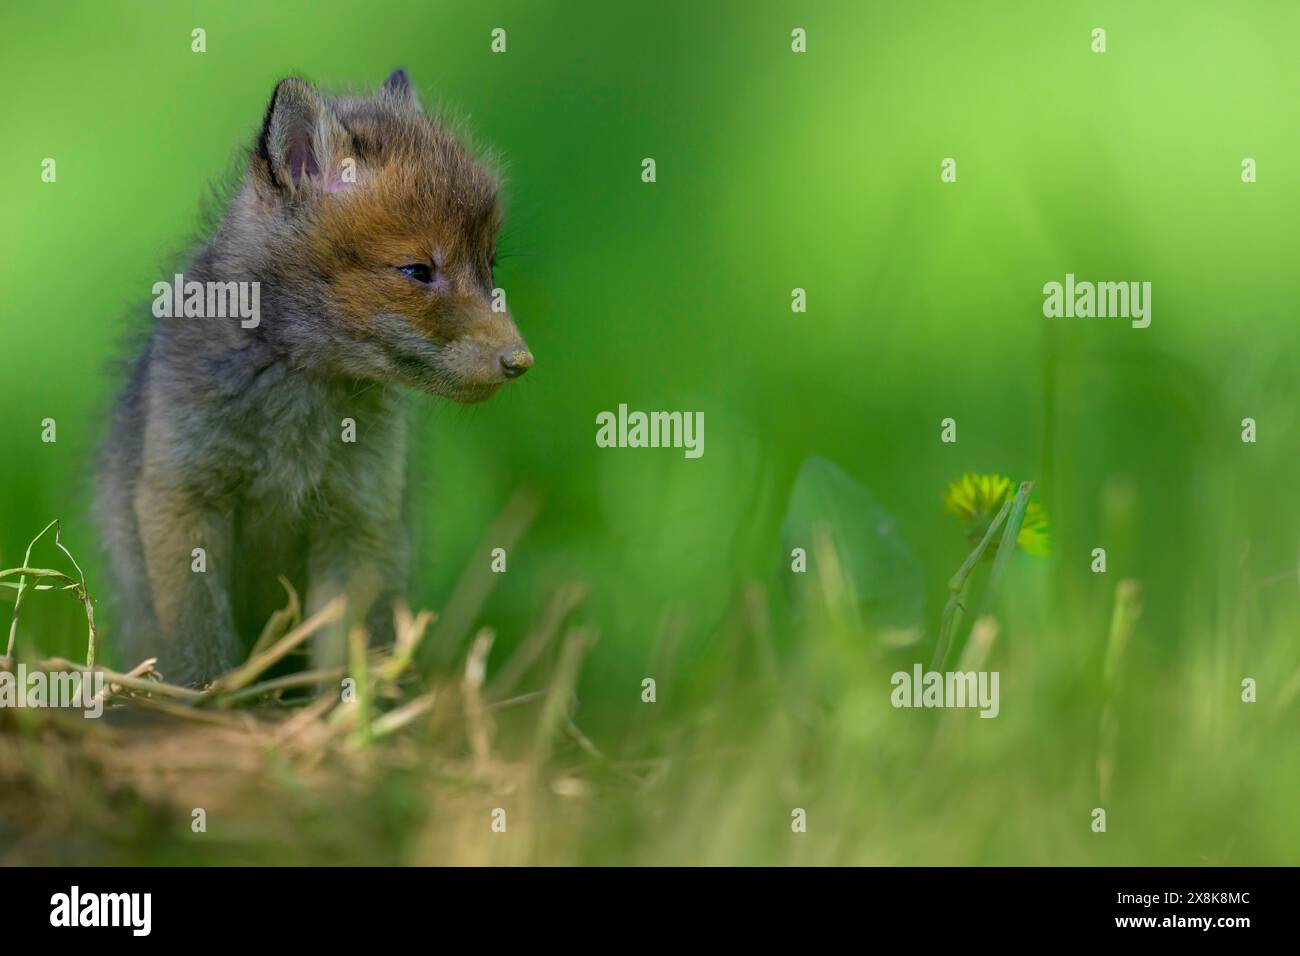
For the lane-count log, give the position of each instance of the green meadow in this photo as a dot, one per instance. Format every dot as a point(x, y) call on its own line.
point(824, 432)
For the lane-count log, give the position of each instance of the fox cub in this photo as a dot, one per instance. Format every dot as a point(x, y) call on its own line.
point(369, 232)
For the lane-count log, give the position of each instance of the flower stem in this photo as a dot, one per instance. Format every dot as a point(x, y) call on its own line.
point(957, 587)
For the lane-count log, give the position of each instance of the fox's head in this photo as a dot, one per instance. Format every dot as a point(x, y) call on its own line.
point(375, 221)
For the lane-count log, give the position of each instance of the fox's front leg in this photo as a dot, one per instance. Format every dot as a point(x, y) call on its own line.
point(364, 566)
point(187, 550)
point(358, 541)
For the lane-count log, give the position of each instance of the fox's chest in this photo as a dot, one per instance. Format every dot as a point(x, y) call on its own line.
point(290, 475)
point(311, 446)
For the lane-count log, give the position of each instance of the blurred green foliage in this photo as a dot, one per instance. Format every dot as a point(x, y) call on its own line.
point(775, 171)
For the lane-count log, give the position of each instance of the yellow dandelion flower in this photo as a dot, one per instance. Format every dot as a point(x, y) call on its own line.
point(976, 501)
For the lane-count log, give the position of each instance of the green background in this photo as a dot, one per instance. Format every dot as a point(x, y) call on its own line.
point(775, 171)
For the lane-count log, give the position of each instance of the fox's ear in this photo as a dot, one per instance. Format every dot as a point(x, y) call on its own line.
point(398, 88)
point(302, 142)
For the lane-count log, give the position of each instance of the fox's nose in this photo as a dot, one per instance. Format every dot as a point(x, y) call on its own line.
point(515, 361)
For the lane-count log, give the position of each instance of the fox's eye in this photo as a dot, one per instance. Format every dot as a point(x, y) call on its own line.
point(417, 271)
